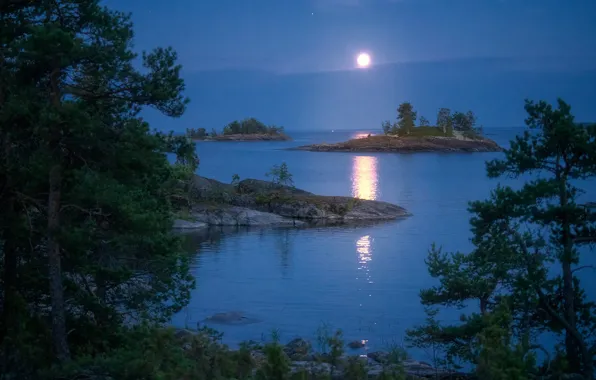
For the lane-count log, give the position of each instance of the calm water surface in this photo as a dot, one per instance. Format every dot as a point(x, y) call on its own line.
point(364, 280)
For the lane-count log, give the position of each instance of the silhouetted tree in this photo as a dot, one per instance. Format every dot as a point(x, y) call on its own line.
point(406, 118)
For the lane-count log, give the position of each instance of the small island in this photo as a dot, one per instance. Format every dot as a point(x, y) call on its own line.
point(455, 132)
point(252, 202)
point(249, 129)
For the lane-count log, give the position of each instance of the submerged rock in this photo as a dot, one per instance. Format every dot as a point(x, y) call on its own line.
point(231, 318)
point(356, 344)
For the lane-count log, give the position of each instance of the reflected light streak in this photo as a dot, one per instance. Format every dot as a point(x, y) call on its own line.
point(364, 177)
point(364, 256)
point(364, 249)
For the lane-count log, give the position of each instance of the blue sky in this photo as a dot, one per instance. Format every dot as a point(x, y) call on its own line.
point(291, 62)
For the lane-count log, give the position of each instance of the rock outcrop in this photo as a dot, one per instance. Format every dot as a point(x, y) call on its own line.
point(239, 216)
point(254, 202)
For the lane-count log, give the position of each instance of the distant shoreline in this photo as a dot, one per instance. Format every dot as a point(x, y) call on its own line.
point(245, 137)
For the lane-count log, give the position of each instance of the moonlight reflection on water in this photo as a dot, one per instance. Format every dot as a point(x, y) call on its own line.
point(364, 177)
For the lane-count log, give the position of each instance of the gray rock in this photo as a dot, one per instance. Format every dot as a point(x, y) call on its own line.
point(356, 344)
point(413, 367)
point(375, 210)
point(298, 349)
point(313, 368)
point(300, 210)
point(258, 357)
point(180, 224)
point(262, 203)
point(379, 356)
point(183, 334)
point(240, 216)
point(231, 318)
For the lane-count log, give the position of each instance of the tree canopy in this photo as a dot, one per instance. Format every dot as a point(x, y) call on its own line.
point(463, 123)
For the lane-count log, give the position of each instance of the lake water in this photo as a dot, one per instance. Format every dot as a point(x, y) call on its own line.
point(365, 279)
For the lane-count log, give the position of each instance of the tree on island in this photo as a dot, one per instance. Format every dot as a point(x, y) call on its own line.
point(465, 123)
point(519, 234)
point(199, 133)
point(251, 126)
point(280, 175)
point(444, 121)
point(406, 118)
point(447, 123)
point(386, 125)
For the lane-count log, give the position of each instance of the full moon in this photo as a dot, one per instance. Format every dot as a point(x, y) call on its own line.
point(363, 60)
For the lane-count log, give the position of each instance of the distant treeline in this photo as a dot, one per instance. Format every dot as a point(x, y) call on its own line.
point(249, 126)
point(446, 123)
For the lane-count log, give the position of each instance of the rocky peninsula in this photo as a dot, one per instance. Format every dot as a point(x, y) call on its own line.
point(253, 202)
point(397, 144)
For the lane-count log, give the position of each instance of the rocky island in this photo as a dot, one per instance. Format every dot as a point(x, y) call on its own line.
point(249, 129)
point(397, 144)
point(455, 132)
point(253, 202)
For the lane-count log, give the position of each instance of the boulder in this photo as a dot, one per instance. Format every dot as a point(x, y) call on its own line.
point(379, 356)
point(297, 349)
point(356, 344)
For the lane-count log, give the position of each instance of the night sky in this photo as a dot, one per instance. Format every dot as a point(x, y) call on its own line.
point(292, 62)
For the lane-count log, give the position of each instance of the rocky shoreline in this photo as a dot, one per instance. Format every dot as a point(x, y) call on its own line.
point(254, 202)
point(247, 137)
point(334, 363)
point(393, 144)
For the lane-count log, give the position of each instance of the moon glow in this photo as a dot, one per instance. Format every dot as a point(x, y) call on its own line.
point(363, 60)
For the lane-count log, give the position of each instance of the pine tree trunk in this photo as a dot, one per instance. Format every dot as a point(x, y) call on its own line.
point(571, 344)
point(569, 307)
point(9, 279)
point(9, 249)
point(59, 342)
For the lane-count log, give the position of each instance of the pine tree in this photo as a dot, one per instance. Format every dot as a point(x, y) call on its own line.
point(406, 118)
point(517, 235)
point(69, 114)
